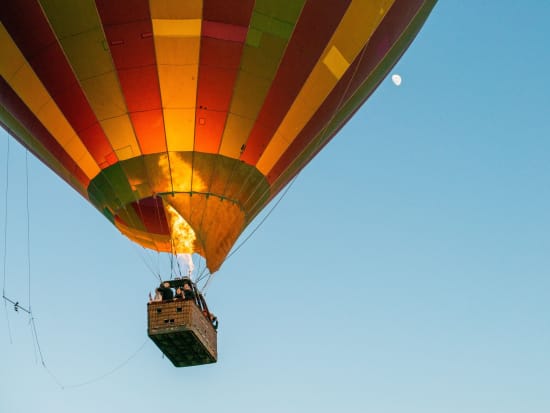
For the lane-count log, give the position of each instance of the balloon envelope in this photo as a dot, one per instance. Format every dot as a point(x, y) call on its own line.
point(180, 120)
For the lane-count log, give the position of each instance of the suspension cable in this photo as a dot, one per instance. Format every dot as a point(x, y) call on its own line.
point(263, 219)
point(202, 262)
point(207, 283)
point(205, 274)
point(210, 276)
point(148, 265)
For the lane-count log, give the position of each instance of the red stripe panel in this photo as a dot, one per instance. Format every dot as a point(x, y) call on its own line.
point(149, 127)
point(217, 74)
point(391, 28)
point(209, 130)
point(40, 48)
point(311, 35)
point(393, 25)
point(151, 213)
point(14, 105)
point(221, 49)
point(230, 12)
point(219, 64)
point(128, 28)
point(140, 87)
point(37, 36)
point(122, 11)
point(131, 43)
point(224, 31)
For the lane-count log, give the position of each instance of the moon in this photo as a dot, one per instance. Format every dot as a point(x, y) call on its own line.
point(396, 79)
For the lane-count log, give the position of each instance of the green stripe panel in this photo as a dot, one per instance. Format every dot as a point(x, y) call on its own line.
point(78, 28)
point(110, 189)
point(271, 26)
point(272, 17)
point(129, 216)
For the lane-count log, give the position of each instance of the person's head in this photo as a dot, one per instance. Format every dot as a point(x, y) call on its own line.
point(179, 290)
point(186, 287)
point(166, 284)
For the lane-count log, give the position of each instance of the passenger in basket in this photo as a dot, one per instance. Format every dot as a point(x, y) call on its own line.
point(214, 321)
point(158, 296)
point(165, 291)
point(179, 293)
point(188, 292)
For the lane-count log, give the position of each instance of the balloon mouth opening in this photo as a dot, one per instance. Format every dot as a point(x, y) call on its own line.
point(161, 221)
point(216, 198)
point(165, 230)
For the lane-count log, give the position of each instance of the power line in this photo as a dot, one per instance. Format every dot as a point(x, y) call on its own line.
point(5, 255)
point(28, 225)
point(6, 217)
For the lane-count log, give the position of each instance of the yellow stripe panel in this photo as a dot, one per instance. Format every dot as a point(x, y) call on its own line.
point(67, 138)
point(120, 132)
point(178, 86)
point(177, 27)
point(22, 79)
point(179, 125)
point(237, 129)
point(176, 32)
point(350, 37)
point(84, 44)
point(336, 62)
point(103, 93)
point(160, 243)
point(173, 9)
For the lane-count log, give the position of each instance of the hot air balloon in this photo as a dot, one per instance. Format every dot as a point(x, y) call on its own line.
point(180, 120)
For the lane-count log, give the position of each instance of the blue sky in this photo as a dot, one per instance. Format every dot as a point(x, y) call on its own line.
point(406, 270)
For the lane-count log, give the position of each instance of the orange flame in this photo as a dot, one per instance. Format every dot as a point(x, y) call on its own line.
point(178, 173)
point(183, 236)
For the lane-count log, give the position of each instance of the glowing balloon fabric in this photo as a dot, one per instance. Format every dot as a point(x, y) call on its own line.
point(208, 107)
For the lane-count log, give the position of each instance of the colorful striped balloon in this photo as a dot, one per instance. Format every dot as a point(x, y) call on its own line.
point(180, 120)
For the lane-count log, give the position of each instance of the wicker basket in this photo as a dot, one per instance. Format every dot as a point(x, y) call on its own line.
point(182, 332)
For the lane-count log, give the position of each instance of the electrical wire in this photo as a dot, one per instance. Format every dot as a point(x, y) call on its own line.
point(28, 226)
point(5, 255)
point(28, 310)
point(6, 216)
